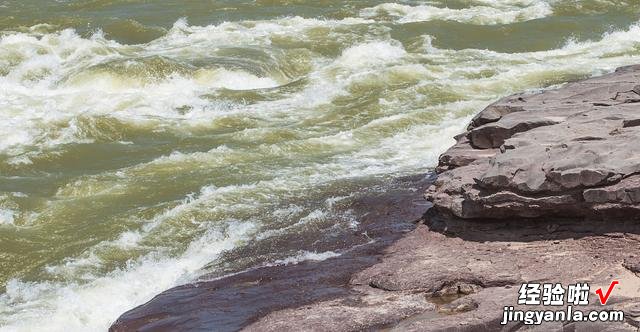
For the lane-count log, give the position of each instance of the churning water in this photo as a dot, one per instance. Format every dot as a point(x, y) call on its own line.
point(141, 141)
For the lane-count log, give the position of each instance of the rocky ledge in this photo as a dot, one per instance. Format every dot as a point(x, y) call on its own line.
point(569, 152)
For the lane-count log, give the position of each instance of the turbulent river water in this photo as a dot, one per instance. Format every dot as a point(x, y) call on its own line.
point(140, 141)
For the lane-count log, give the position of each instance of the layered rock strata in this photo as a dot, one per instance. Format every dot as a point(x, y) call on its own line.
point(570, 152)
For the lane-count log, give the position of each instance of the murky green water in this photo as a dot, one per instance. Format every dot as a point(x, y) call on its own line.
point(141, 139)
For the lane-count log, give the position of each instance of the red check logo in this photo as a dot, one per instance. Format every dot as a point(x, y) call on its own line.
point(605, 298)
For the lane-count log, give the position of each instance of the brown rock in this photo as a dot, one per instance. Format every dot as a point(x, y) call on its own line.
point(373, 308)
point(569, 152)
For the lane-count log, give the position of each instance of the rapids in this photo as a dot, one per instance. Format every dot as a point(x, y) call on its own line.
point(141, 143)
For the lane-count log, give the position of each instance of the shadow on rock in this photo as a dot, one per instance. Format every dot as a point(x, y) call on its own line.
point(527, 230)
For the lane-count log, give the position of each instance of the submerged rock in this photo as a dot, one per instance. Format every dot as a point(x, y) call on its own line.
point(570, 152)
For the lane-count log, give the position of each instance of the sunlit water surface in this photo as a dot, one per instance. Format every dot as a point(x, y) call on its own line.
point(140, 141)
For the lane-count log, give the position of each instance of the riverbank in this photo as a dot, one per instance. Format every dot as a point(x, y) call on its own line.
point(464, 261)
point(232, 302)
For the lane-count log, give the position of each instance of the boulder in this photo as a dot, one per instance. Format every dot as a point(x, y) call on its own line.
point(570, 152)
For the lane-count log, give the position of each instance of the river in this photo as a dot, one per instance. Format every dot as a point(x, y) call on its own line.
point(142, 141)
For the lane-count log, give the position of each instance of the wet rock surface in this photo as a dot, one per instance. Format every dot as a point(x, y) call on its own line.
point(470, 271)
point(235, 301)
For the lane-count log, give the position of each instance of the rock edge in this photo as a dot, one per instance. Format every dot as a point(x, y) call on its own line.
point(569, 152)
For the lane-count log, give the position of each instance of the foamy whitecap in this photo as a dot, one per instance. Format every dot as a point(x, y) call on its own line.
point(371, 54)
point(47, 83)
point(128, 239)
point(93, 306)
point(304, 255)
point(43, 117)
point(199, 39)
point(234, 80)
point(491, 12)
point(7, 217)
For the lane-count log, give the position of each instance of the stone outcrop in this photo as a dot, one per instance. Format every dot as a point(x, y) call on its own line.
point(471, 271)
point(571, 152)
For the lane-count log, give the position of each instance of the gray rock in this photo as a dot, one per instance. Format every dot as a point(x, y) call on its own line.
point(569, 152)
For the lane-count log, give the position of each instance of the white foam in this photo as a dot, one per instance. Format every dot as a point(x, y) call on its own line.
point(77, 268)
point(304, 255)
point(52, 80)
point(95, 305)
point(313, 216)
point(7, 216)
point(199, 39)
point(489, 13)
point(331, 201)
point(234, 80)
point(129, 239)
point(371, 54)
point(92, 300)
point(288, 212)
